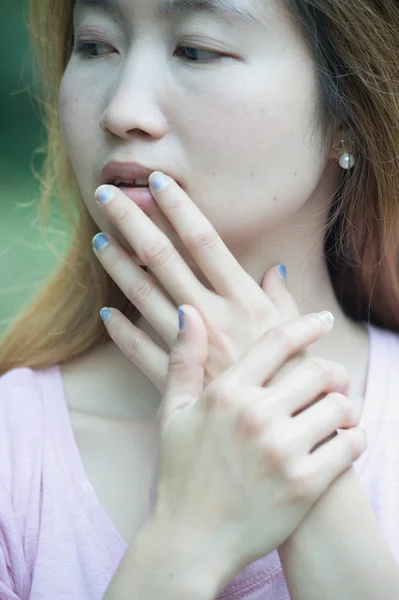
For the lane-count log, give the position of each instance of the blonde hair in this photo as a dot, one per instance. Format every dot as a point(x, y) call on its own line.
point(355, 46)
point(63, 320)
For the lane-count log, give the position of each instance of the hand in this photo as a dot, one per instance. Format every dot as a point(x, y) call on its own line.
point(242, 460)
point(235, 315)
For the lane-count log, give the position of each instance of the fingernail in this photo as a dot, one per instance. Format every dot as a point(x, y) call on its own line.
point(104, 194)
point(158, 181)
point(182, 320)
point(105, 314)
point(100, 241)
point(326, 317)
point(282, 272)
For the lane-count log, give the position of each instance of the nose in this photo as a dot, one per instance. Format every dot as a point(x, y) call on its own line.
point(132, 103)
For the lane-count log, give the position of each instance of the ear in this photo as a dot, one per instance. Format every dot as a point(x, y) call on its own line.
point(276, 288)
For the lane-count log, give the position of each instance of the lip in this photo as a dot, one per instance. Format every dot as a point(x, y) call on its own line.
point(126, 170)
point(142, 197)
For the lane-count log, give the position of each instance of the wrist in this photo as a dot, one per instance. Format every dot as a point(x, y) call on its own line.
point(185, 559)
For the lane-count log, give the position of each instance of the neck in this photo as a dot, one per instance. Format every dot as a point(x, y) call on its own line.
point(298, 243)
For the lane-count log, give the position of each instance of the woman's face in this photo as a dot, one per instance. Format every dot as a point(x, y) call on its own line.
point(227, 107)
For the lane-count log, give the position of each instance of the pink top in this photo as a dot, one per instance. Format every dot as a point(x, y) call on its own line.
point(56, 540)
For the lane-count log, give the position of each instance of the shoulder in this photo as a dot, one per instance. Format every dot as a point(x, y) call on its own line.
point(18, 393)
point(384, 346)
point(384, 335)
point(23, 388)
point(20, 400)
point(20, 476)
point(24, 401)
point(383, 375)
point(15, 383)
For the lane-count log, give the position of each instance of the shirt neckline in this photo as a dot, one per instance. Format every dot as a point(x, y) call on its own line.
point(376, 387)
point(104, 530)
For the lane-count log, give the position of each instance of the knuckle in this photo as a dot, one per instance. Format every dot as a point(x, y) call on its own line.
point(341, 376)
point(348, 444)
point(334, 375)
point(114, 262)
point(268, 410)
point(279, 337)
point(158, 253)
point(205, 240)
point(171, 200)
point(302, 484)
point(139, 291)
point(323, 369)
point(220, 393)
point(317, 365)
point(123, 214)
point(177, 359)
point(251, 421)
point(133, 346)
point(275, 450)
point(342, 405)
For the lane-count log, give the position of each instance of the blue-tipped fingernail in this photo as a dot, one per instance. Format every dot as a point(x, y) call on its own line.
point(158, 181)
point(104, 194)
point(282, 272)
point(100, 241)
point(105, 314)
point(182, 320)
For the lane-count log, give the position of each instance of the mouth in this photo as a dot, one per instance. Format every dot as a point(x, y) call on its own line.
point(130, 183)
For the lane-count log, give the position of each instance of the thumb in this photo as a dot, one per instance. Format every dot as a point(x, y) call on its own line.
point(185, 377)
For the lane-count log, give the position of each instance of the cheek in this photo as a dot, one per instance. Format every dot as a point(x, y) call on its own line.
point(79, 123)
point(258, 145)
point(78, 110)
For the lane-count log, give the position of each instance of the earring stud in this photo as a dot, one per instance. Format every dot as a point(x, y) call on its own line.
point(347, 159)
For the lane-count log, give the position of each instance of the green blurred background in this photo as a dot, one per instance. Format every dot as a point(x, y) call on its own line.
point(25, 258)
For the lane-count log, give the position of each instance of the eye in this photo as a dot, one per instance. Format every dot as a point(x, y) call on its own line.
point(93, 49)
point(191, 54)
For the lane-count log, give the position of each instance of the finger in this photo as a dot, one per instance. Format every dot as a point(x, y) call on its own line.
point(185, 378)
point(271, 351)
point(307, 383)
point(153, 247)
point(322, 419)
point(137, 346)
point(274, 285)
point(199, 236)
point(138, 286)
point(332, 458)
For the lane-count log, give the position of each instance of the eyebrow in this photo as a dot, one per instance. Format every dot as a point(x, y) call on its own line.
point(224, 8)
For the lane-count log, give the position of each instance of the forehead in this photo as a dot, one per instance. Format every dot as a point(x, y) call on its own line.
point(246, 11)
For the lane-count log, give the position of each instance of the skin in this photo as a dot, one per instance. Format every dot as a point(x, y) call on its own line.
point(242, 133)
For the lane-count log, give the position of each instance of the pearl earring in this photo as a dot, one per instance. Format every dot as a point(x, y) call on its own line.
point(347, 159)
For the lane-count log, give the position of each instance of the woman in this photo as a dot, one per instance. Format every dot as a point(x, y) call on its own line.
point(277, 126)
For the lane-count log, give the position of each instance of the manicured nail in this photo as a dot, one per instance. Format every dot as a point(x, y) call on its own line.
point(105, 314)
point(100, 241)
point(158, 181)
point(182, 320)
point(326, 316)
point(104, 194)
point(282, 272)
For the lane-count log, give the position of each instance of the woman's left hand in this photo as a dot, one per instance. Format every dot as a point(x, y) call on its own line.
point(236, 314)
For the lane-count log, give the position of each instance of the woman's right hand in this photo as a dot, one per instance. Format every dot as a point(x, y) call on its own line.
point(242, 461)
